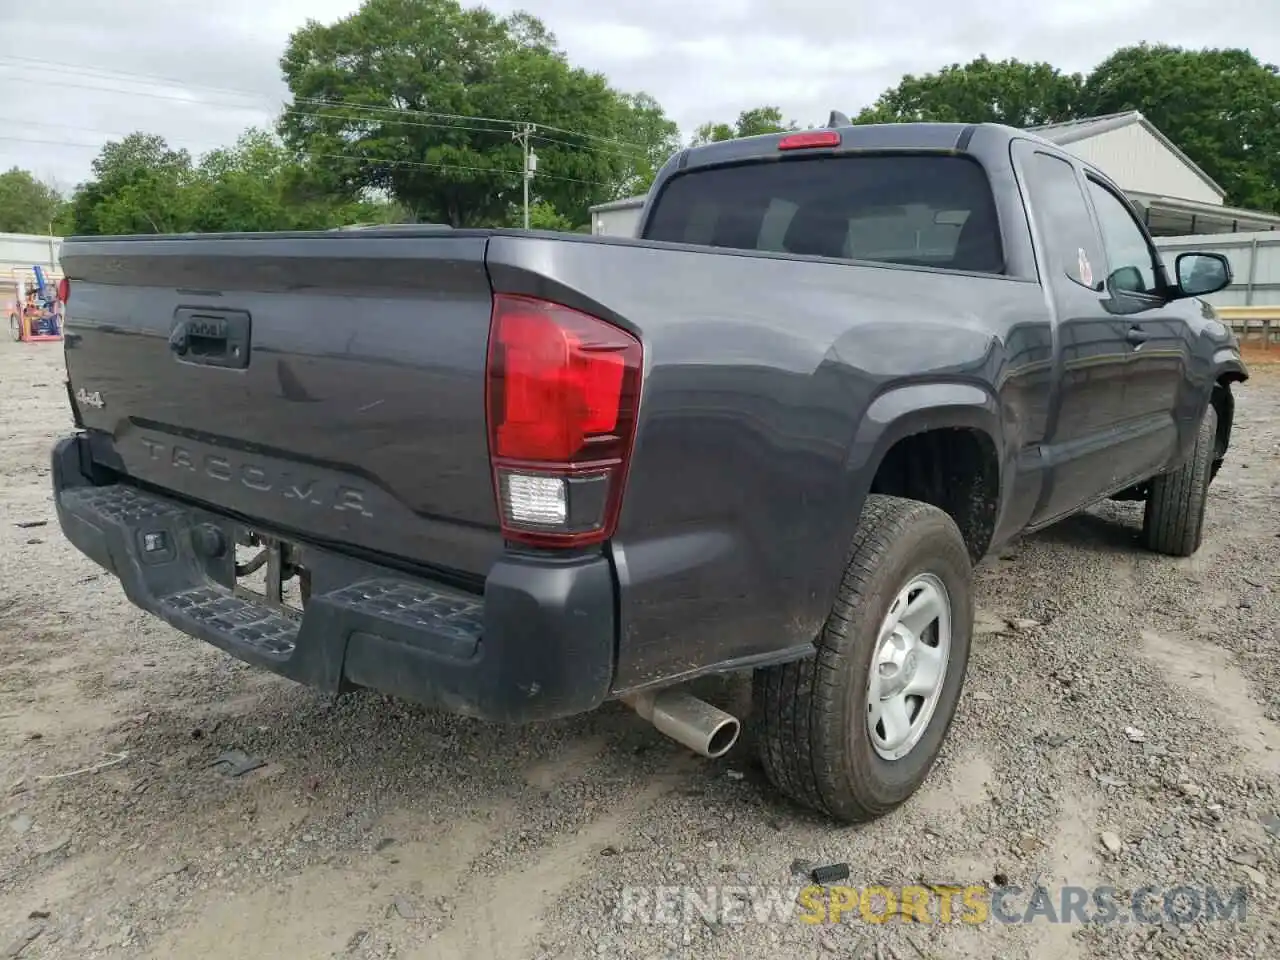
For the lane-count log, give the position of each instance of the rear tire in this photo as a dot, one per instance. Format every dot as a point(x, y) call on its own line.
point(1173, 523)
point(15, 326)
point(817, 716)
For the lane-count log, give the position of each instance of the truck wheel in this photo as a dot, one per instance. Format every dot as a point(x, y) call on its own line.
point(853, 731)
point(1173, 522)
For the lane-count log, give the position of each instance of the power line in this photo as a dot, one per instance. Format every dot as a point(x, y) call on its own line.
point(521, 129)
point(507, 171)
point(152, 80)
point(456, 116)
point(126, 76)
point(55, 82)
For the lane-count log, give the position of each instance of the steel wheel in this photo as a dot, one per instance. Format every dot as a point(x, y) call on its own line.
point(909, 667)
point(897, 639)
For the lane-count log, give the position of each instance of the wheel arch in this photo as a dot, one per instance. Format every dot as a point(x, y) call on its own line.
point(941, 443)
point(1228, 369)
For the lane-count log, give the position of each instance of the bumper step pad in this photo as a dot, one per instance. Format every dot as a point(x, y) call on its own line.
point(246, 623)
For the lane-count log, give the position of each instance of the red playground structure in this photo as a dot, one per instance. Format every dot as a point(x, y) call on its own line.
point(36, 312)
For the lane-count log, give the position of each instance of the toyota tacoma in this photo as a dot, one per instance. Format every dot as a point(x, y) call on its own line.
point(515, 475)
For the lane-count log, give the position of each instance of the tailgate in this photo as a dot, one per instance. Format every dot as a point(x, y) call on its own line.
point(327, 384)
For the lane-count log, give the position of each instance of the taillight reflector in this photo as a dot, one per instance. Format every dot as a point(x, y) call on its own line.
point(810, 138)
point(64, 289)
point(562, 395)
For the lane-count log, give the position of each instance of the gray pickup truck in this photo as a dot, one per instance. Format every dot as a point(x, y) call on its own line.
point(515, 475)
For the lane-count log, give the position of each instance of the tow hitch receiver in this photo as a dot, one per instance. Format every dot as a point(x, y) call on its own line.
point(269, 574)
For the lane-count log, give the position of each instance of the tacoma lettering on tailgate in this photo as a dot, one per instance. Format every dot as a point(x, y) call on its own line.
point(260, 477)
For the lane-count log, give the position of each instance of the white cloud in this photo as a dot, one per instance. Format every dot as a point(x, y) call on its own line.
point(613, 42)
point(702, 59)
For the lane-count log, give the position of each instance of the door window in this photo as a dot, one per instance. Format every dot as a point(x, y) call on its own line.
point(1129, 256)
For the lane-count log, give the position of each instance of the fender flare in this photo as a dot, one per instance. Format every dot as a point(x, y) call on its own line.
point(1228, 366)
point(918, 407)
point(1227, 363)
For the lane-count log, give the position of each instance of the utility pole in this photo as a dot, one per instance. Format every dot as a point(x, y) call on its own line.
point(530, 164)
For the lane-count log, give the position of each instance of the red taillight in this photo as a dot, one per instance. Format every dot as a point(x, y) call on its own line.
point(64, 289)
point(810, 138)
point(563, 391)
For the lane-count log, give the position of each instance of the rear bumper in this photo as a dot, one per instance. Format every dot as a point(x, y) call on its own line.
point(538, 644)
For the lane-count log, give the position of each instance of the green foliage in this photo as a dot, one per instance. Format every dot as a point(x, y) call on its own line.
point(386, 99)
point(750, 123)
point(27, 205)
point(383, 128)
point(140, 185)
point(982, 91)
point(257, 185)
point(645, 124)
point(543, 216)
point(1221, 107)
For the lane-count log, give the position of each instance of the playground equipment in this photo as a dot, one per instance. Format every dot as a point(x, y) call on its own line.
point(36, 313)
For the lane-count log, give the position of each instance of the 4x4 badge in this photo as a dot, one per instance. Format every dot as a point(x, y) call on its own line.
point(90, 399)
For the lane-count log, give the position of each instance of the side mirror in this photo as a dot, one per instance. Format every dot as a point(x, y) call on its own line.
point(1201, 273)
point(1126, 280)
point(1126, 289)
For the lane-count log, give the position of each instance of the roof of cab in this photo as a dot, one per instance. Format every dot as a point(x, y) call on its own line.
point(866, 136)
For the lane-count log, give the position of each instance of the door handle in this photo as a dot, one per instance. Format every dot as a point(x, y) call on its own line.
point(1137, 335)
point(213, 338)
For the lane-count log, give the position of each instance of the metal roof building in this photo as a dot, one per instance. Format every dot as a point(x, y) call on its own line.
point(617, 218)
point(1176, 197)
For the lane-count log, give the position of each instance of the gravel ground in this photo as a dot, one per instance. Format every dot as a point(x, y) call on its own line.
point(1124, 734)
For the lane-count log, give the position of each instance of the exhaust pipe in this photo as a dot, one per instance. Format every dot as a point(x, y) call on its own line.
point(696, 724)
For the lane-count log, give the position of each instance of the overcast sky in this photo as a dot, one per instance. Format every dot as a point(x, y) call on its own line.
point(702, 59)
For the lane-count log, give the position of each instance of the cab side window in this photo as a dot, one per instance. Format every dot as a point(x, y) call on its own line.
point(1130, 260)
point(1063, 223)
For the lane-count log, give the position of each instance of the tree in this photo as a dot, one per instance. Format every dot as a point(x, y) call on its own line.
point(258, 185)
point(543, 216)
point(982, 91)
point(750, 123)
point(1221, 107)
point(648, 133)
point(419, 99)
point(27, 205)
point(140, 185)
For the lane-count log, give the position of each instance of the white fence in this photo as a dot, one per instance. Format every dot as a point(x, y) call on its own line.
point(19, 252)
point(1255, 264)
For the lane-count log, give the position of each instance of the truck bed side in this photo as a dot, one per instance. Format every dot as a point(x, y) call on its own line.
point(772, 384)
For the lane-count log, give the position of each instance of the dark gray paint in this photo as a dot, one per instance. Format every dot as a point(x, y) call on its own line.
point(774, 385)
point(366, 383)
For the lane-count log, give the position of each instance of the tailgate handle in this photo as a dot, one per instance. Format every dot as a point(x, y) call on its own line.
point(213, 338)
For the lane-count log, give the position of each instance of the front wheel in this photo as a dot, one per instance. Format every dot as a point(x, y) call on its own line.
point(853, 731)
point(1173, 523)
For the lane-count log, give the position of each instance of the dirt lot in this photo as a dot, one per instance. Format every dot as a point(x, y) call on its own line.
point(1126, 734)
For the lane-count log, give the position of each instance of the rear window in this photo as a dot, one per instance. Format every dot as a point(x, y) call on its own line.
point(927, 211)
